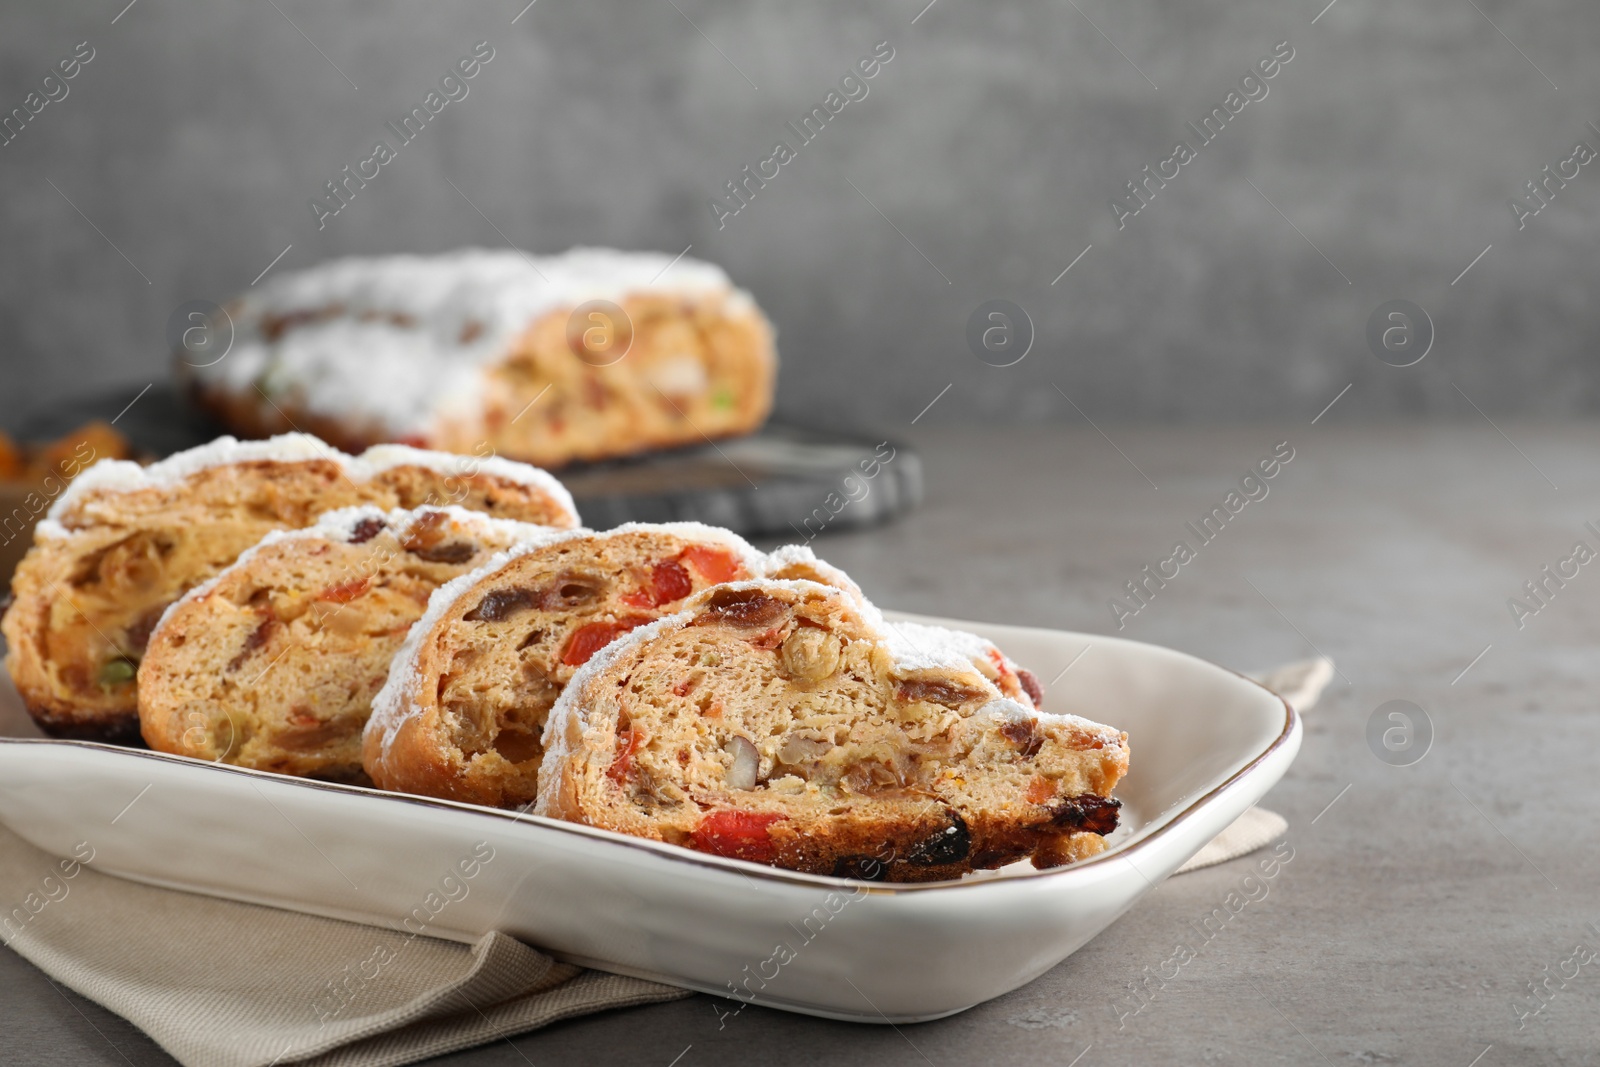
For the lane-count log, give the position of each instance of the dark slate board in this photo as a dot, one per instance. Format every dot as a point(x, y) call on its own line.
point(783, 481)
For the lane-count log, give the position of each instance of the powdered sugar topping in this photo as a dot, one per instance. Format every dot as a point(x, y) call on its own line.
point(399, 342)
point(385, 457)
point(117, 476)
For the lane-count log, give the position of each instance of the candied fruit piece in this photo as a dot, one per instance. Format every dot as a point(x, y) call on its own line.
point(741, 835)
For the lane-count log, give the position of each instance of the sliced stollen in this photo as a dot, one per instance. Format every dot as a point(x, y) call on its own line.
point(124, 541)
point(464, 708)
point(624, 351)
point(273, 663)
point(783, 722)
point(465, 703)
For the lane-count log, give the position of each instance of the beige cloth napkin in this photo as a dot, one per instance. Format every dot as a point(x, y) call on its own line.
point(222, 984)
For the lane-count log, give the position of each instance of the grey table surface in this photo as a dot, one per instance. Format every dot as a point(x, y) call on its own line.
point(1417, 908)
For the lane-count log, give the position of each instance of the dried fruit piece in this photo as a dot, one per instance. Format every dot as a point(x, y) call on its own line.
point(875, 778)
point(1030, 685)
point(366, 530)
point(117, 672)
point(628, 742)
point(258, 637)
point(449, 552)
point(949, 694)
point(716, 565)
point(427, 530)
point(344, 592)
point(747, 609)
point(1096, 814)
point(949, 845)
point(500, 604)
point(587, 640)
point(810, 655)
point(741, 835)
point(1023, 733)
point(799, 749)
point(671, 582)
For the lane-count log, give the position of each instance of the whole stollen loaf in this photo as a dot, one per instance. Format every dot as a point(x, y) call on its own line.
point(587, 355)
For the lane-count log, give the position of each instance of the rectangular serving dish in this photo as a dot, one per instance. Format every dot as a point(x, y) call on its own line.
point(1206, 744)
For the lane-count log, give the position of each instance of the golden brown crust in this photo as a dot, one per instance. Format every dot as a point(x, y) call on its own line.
point(699, 366)
point(773, 723)
point(465, 722)
point(87, 598)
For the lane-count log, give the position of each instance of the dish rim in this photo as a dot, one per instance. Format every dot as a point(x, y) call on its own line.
point(727, 864)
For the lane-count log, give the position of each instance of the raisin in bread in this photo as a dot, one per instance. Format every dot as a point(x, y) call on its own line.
point(124, 541)
point(464, 707)
point(273, 663)
point(497, 347)
point(785, 723)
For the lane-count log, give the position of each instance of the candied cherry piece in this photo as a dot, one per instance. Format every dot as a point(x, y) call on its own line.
point(716, 565)
point(587, 640)
point(671, 582)
point(737, 834)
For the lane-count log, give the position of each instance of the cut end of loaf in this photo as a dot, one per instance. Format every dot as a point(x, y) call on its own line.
point(780, 722)
point(273, 663)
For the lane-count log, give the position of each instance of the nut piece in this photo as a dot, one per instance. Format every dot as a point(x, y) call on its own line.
point(746, 763)
point(810, 654)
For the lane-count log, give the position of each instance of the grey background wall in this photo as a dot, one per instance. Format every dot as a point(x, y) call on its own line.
point(981, 163)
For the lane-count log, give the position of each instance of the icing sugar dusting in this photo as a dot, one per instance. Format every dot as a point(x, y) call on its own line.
point(400, 341)
point(120, 475)
point(384, 457)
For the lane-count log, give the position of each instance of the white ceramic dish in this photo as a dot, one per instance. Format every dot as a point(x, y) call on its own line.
point(1206, 744)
